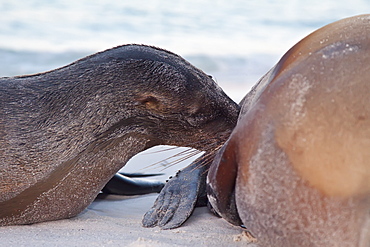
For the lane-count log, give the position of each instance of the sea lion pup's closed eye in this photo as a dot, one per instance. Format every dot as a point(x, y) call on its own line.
point(65, 133)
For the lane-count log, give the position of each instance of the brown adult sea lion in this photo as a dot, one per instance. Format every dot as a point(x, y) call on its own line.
point(65, 133)
point(296, 168)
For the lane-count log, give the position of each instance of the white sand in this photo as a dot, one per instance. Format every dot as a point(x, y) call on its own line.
point(116, 221)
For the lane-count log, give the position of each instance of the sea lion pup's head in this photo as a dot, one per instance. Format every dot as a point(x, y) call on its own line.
point(157, 93)
point(295, 170)
point(66, 132)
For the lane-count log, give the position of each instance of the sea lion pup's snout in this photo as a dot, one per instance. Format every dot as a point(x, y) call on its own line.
point(176, 99)
point(66, 132)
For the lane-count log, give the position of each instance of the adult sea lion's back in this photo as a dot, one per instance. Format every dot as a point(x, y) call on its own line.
point(297, 163)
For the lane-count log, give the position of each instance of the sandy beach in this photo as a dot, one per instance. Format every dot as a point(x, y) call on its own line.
point(235, 42)
point(116, 221)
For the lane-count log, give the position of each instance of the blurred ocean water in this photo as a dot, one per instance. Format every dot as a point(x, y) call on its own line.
point(235, 41)
point(189, 27)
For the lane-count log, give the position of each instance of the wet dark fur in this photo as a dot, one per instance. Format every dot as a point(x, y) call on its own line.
point(65, 133)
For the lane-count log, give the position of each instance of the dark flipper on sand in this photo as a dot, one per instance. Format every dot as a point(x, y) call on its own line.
point(125, 184)
point(179, 197)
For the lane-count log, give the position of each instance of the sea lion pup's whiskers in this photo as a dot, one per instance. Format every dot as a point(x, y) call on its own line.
point(190, 152)
point(179, 160)
point(169, 148)
point(66, 132)
point(171, 161)
point(205, 161)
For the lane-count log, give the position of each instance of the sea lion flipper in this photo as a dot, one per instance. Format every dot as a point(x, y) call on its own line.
point(178, 198)
point(124, 185)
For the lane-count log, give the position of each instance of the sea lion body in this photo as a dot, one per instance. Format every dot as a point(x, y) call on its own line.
point(65, 133)
point(296, 168)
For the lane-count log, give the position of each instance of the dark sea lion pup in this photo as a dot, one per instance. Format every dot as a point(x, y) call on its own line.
point(65, 133)
point(296, 168)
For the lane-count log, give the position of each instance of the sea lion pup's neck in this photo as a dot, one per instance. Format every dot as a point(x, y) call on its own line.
point(65, 133)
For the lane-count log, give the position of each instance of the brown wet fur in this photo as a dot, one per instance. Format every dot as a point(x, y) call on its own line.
point(65, 133)
point(302, 144)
